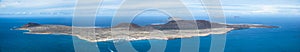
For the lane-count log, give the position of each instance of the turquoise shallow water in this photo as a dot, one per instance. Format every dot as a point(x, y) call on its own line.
point(283, 39)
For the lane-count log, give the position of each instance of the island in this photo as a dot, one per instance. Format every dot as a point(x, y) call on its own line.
point(131, 31)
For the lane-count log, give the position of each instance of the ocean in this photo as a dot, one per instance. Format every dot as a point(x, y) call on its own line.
point(283, 39)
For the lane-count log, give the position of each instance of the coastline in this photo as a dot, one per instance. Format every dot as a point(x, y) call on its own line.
point(131, 32)
point(164, 37)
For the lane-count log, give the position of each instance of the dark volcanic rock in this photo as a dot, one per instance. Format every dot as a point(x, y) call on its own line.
point(125, 25)
point(30, 24)
point(249, 26)
point(201, 24)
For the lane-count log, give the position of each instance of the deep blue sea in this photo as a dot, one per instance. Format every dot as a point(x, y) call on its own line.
point(283, 39)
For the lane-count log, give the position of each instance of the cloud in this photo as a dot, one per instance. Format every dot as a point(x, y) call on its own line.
point(266, 9)
point(109, 7)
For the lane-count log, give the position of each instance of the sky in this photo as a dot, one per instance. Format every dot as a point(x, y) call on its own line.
point(109, 7)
